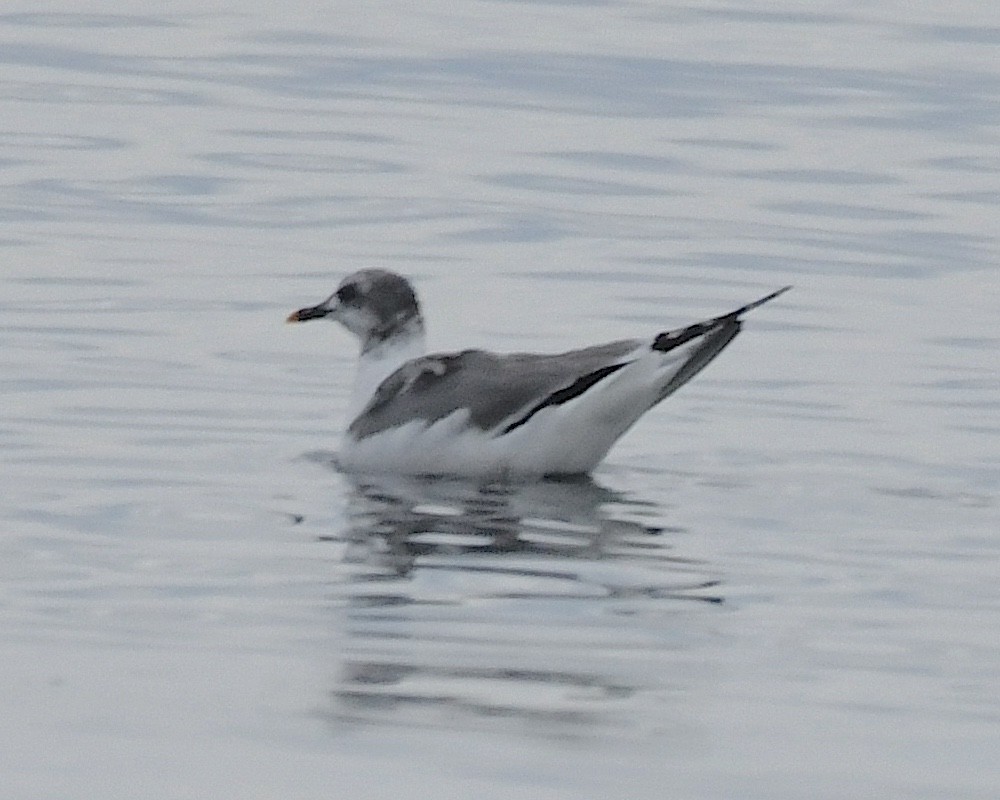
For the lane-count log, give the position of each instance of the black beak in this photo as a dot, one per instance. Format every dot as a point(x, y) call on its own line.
point(313, 312)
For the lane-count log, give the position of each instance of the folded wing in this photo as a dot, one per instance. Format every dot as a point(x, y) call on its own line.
point(494, 389)
point(500, 393)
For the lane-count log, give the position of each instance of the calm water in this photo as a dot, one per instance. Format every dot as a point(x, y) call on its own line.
point(781, 584)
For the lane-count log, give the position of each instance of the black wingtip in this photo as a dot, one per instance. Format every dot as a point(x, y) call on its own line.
point(757, 303)
point(669, 340)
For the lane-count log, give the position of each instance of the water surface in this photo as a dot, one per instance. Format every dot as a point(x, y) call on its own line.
point(780, 584)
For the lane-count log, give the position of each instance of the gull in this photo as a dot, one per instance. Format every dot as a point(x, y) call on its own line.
point(477, 414)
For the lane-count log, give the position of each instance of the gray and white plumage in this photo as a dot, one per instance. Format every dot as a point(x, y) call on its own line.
point(480, 414)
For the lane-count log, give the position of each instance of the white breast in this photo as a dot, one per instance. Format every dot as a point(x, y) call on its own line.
point(378, 364)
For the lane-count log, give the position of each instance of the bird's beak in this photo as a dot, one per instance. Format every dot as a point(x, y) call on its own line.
point(313, 312)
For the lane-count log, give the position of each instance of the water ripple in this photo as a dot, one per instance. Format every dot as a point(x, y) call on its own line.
point(465, 603)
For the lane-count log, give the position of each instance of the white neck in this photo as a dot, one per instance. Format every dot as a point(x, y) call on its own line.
point(379, 361)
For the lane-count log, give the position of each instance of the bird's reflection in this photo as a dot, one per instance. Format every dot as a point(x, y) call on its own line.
point(392, 523)
point(518, 602)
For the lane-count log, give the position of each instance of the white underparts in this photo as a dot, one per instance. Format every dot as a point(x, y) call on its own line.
point(566, 438)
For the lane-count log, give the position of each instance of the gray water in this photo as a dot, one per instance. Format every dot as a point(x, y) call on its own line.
point(782, 583)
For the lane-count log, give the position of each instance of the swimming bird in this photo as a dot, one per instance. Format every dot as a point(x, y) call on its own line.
point(497, 416)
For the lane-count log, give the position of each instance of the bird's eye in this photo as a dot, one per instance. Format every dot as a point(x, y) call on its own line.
point(348, 293)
